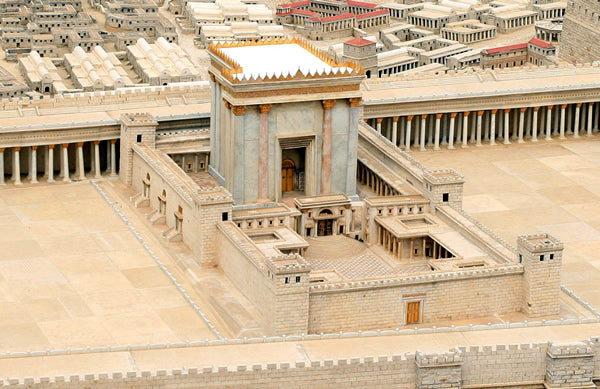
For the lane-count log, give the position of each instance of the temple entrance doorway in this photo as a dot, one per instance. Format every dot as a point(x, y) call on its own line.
point(325, 225)
point(292, 171)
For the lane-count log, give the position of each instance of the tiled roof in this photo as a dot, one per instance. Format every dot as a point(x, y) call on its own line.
point(495, 50)
point(378, 12)
point(294, 5)
point(540, 43)
point(361, 4)
point(304, 12)
point(359, 42)
point(334, 18)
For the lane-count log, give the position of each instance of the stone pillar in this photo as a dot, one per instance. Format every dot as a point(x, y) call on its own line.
point(395, 130)
point(2, 166)
point(478, 135)
point(562, 121)
point(113, 157)
point(549, 122)
point(80, 165)
point(451, 132)
point(16, 166)
point(408, 128)
point(65, 162)
point(326, 155)
point(534, 124)
point(521, 124)
point(493, 127)
point(33, 165)
point(422, 138)
point(379, 121)
point(576, 121)
point(97, 172)
point(436, 142)
point(465, 129)
point(439, 370)
point(590, 118)
point(263, 153)
point(50, 165)
point(569, 365)
point(506, 127)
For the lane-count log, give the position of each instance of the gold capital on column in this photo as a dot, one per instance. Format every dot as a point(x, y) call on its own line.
point(96, 142)
point(522, 109)
point(65, 145)
point(395, 119)
point(34, 147)
point(564, 106)
point(1, 149)
point(466, 113)
point(439, 115)
point(227, 104)
point(494, 111)
point(507, 110)
point(79, 144)
point(239, 110)
point(212, 77)
point(379, 120)
point(113, 141)
point(480, 113)
point(453, 115)
point(328, 104)
point(355, 101)
point(410, 118)
point(578, 105)
point(17, 148)
point(424, 116)
point(265, 108)
point(51, 147)
point(536, 108)
point(550, 107)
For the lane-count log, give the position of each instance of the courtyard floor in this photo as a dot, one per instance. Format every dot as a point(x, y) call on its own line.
point(73, 275)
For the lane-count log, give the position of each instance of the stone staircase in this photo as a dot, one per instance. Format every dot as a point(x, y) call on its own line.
point(172, 235)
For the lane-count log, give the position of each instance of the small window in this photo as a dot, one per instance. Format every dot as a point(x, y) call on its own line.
point(139, 138)
point(551, 256)
point(520, 258)
point(541, 258)
point(297, 278)
point(287, 280)
point(308, 231)
point(260, 223)
point(445, 197)
point(225, 217)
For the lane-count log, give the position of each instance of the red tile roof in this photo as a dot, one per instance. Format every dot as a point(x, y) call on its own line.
point(378, 12)
point(361, 4)
point(495, 50)
point(304, 12)
point(540, 43)
point(294, 5)
point(359, 42)
point(334, 18)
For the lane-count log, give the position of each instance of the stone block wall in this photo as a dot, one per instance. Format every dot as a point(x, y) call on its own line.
point(580, 37)
point(569, 365)
point(440, 370)
point(368, 305)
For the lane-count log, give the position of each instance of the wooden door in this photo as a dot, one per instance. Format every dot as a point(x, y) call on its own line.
point(325, 227)
point(412, 312)
point(287, 175)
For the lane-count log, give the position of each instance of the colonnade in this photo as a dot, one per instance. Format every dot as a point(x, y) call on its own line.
point(76, 161)
point(468, 37)
point(547, 35)
point(368, 178)
point(459, 129)
point(418, 248)
point(372, 21)
point(519, 21)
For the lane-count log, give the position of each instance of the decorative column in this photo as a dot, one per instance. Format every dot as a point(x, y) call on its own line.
point(436, 142)
point(65, 162)
point(521, 123)
point(80, 164)
point(326, 156)
point(493, 127)
point(2, 166)
point(33, 165)
point(534, 124)
point(451, 132)
point(576, 123)
point(97, 172)
point(562, 121)
point(465, 128)
point(408, 127)
point(506, 127)
point(263, 153)
point(113, 157)
point(423, 123)
point(590, 119)
point(478, 135)
point(379, 121)
point(16, 166)
point(50, 164)
point(549, 122)
point(395, 130)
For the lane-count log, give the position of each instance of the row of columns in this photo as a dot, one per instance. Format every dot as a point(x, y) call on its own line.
point(469, 37)
point(367, 177)
point(49, 156)
point(373, 21)
point(516, 124)
point(519, 21)
point(548, 36)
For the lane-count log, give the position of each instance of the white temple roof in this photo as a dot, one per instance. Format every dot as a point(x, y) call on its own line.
point(276, 60)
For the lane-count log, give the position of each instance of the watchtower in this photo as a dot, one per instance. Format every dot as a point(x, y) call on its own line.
point(135, 128)
point(541, 256)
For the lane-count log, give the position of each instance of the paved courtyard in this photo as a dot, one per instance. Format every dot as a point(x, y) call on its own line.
point(549, 187)
point(73, 275)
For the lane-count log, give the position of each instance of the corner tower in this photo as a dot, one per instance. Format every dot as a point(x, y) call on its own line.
point(284, 121)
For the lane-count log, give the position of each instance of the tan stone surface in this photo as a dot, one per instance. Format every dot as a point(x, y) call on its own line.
point(73, 275)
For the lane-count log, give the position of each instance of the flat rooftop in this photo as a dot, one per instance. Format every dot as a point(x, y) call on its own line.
point(279, 59)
